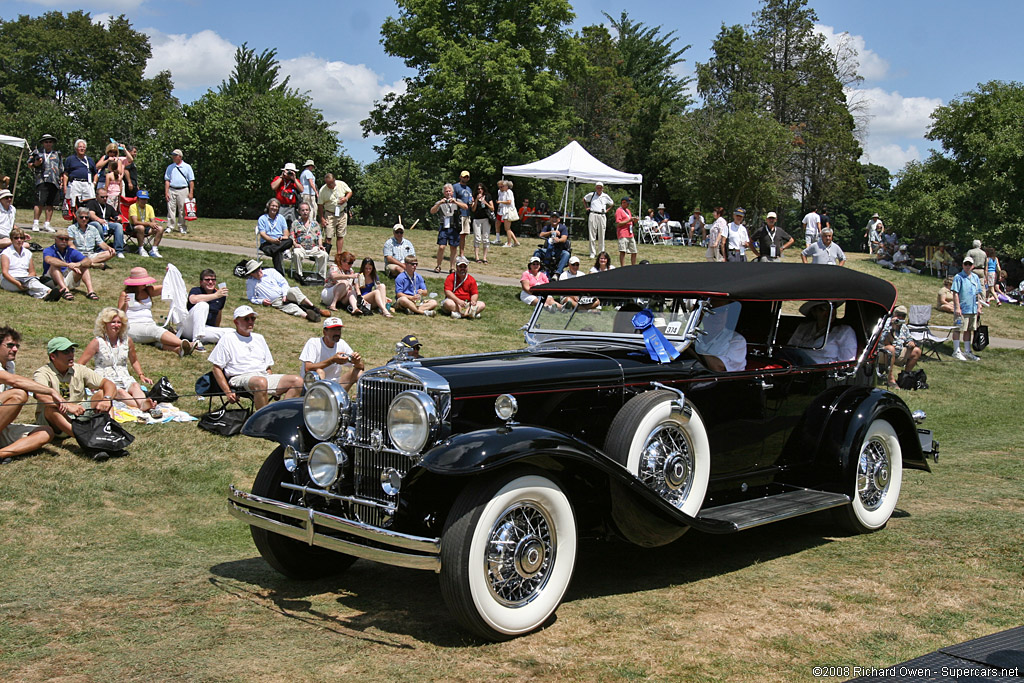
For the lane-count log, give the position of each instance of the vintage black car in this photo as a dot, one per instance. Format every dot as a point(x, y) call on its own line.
point(648, 400)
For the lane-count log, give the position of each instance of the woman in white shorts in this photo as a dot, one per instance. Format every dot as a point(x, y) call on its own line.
point(137, 301)
point(18, 271)
point(530, 278)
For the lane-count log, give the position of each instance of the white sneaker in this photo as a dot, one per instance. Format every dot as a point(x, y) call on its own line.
point(428, 313)
point(142, 253)
point(455, 314)
point(959, 355)
point(48, 228)
point(120, 254)
point(970, 356)
point(35, 226)
point(155, 253)
point(183, 231)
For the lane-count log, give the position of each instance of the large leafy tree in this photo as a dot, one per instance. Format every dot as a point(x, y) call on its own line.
point(601, 102)
point(780, 65)
point(650, 60)
point(67, 75)
point(483, 93)
point(247, 130)
point(974, 188)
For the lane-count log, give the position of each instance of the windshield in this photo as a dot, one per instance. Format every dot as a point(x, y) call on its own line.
point(604, 316)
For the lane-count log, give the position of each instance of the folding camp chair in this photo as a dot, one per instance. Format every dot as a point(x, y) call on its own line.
point(129, 229)
point(207, 387)
point(930, 337)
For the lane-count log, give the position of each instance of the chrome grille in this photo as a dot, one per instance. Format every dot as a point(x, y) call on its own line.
point(374, 397)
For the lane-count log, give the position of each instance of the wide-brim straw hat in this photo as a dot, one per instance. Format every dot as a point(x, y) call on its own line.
point(139, 276)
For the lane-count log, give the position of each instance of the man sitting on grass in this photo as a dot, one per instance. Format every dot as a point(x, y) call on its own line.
point(68, 267)
point(897, 344)
point(461, 298)
point(267, 287)
point(411, 290)
point(143, 220)
point(242, 361)
point(69, 380)
point(19, 439)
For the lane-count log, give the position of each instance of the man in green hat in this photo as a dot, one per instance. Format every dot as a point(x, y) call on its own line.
point(71, 380)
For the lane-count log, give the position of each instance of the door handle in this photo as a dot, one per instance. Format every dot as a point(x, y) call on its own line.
point(766, 385)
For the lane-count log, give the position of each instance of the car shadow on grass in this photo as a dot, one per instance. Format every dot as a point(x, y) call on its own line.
point(376, 599)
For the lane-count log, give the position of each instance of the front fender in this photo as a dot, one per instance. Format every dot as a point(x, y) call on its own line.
point(586, 471)
point(282, 423)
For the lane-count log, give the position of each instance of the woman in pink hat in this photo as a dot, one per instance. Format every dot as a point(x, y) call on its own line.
point(137, 301)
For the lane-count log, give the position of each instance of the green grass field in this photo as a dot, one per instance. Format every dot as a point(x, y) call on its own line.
point(132, 569)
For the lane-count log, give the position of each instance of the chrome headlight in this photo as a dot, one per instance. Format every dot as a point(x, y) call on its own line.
point(326, 464)
point(325, 405)
point(506, 407)
point(412, 421)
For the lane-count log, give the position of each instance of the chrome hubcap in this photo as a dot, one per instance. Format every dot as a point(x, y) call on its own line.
point(873, 473)
point(519, 555)
point(666, 463)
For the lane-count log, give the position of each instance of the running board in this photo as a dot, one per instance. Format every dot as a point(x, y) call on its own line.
point(750, 513)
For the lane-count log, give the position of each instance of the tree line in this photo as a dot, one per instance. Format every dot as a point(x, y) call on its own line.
point(498, 84)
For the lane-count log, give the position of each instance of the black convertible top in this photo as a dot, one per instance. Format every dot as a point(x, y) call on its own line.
point(744, 281)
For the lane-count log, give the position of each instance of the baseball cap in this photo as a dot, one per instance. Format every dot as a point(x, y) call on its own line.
point(178, 152)
point(398, 228)
point(464, 174)
point(461, 261)
point(968, 259)
point(534, 259)
point(243, 311)
point(901, 311)
point(598, 184)
point(411, 341)
point(142, 194)
point(333, 322)
point(627, 199)
point(59, 344)
point(574, 259)
point(739, 211)
point(772, 214)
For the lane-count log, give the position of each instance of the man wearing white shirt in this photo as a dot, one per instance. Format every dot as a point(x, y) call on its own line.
point(7, 213)
point(330, 356)
point(737, 239)
point(812, 226)
point(242, 361)
point(597, 203)
point(267, 287)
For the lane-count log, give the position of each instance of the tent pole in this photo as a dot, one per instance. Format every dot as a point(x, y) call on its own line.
point(640, 209)
point(21, 154)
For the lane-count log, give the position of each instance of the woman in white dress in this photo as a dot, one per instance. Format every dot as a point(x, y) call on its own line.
point(506, 214)
point(113, 352)
point(137, 301)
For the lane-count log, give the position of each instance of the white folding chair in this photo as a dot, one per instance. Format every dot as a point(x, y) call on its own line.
point(924, 333)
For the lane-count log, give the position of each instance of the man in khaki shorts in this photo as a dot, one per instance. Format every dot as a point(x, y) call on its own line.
point(332, 204)
point(242, 361)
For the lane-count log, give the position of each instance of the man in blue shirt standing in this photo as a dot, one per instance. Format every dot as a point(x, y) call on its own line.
point(179, 187)
point(79, 176)
point(966, 290)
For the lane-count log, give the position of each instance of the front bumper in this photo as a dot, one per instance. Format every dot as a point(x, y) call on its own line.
point(336, 533)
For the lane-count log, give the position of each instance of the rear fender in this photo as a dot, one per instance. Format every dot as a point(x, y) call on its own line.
point(852, 415)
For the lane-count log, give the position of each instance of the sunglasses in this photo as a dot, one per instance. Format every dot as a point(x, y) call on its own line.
point(61, 239)
point(209, 279)
point(12, 345)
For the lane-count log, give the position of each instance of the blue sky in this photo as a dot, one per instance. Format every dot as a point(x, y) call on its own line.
point(913, 54)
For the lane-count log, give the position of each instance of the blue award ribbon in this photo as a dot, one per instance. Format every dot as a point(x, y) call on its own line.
point(658, 346)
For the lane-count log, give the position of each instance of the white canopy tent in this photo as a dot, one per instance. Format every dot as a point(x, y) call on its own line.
point(16, 142)
point(573, 165)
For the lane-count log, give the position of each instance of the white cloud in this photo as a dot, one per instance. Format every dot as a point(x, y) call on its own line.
point(870, 64)
point(344, 92)
point(200, 60)
point(892, 156)
point(894, 115)
point(102, 18)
